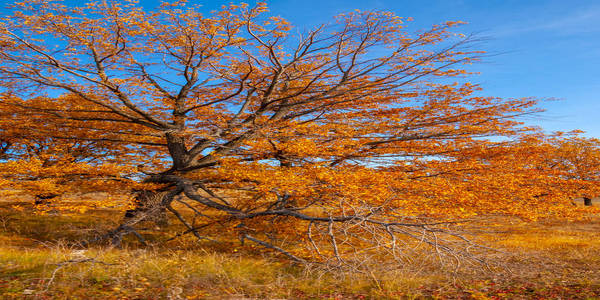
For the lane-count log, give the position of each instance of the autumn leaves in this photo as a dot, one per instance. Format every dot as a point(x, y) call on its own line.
point(345, 129)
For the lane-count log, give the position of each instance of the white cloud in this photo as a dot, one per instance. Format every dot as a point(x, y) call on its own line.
point(577, 22)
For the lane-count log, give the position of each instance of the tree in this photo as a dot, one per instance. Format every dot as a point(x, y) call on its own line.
point(34, 161)
point(578, 161)
point(338, 143)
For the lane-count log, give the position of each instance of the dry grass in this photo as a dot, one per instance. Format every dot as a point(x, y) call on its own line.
point(539, 260)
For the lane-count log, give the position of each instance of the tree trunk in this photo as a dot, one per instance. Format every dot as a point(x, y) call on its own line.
point(587, 201)
point(149, 207)
point(43, 198)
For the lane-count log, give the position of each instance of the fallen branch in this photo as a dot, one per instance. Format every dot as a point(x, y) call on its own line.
point(270, 246)
point(72, 262)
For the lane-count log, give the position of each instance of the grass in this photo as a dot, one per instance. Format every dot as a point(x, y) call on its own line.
point(543, 260)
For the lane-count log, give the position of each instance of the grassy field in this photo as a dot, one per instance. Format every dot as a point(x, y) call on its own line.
point(39, 259)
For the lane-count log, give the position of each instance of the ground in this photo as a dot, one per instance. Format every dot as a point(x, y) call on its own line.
point(40, 259)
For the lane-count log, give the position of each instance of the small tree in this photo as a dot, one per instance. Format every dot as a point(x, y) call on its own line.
point(578, 160)
point(340, 143)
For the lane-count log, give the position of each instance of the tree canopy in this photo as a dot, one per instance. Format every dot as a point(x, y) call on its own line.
point(326, 144)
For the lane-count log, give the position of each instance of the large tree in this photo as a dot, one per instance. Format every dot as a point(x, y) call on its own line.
point(331, 144)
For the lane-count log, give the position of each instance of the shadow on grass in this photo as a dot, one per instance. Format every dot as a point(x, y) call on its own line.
point(28, 224)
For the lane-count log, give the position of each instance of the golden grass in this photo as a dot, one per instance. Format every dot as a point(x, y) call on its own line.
point(539, 260)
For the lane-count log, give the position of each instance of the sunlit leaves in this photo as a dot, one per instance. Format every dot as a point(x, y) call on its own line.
point(357, 122)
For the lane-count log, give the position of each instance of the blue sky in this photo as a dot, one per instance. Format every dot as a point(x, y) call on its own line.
point(548, 49)
point(545, 49)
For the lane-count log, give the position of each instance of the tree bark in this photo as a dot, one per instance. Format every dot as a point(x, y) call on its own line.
point(149, 207)
point(43, 198)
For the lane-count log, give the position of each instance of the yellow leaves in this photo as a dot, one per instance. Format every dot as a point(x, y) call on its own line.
point(455, 23)
point(350, 117)
point(18, 207)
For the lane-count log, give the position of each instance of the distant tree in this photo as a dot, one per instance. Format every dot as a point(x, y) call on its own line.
point(578, 158)
point(35, 162)
point(335, 144)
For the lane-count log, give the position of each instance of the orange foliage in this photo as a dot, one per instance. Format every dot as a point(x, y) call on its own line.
point(352, 125)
